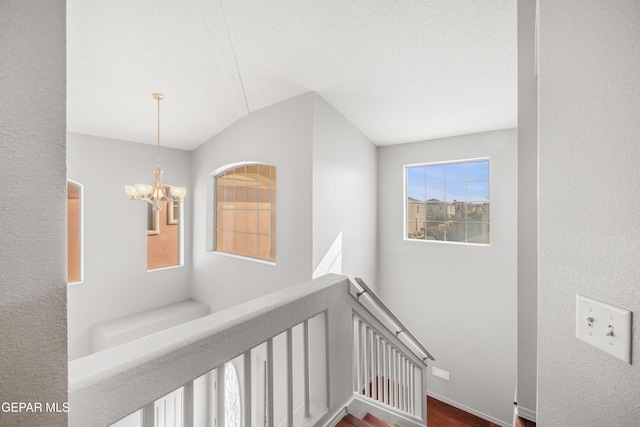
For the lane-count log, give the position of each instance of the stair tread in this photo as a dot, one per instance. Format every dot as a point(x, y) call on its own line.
point(354, 421)
point(375, 421)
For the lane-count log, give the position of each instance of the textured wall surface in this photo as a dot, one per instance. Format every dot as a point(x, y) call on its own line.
point(33, 336)
point(459, 300)
point(589, 201)
point(344, 196)
point(116, 281)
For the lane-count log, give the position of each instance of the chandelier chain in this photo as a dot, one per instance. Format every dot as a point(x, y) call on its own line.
point(158, 97)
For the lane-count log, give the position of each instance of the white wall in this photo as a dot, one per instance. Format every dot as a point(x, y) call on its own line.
point(459, 300)
point(33, 356)
point(589, 203)
point(527, 210)
point(344, 196)
point(279, 135)
point(116, 281)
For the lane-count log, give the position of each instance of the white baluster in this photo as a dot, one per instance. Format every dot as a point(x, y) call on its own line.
point(248, 394)
point(289, 378)
point(307, 372)
point(270, 396)
point(148, 415)
point(187, 404)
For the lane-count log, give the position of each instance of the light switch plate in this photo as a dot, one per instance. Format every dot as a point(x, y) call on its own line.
point(604, 326)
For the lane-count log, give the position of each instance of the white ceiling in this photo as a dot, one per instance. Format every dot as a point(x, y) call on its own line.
point(399, 70)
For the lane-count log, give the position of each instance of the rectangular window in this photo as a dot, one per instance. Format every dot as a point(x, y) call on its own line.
point(74, 232)
point(455, 202)
point(163, 235)
point(245, 211)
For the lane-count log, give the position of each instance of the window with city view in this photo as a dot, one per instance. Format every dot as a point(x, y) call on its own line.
point(245, 215)
point(448, 202)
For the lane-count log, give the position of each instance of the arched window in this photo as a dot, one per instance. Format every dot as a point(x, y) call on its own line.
point(245, 211)
point(232, 401)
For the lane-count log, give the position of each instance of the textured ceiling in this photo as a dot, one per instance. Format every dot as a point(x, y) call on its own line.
point(400, 71)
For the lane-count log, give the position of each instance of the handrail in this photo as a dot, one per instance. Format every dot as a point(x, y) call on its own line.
point(384, 310)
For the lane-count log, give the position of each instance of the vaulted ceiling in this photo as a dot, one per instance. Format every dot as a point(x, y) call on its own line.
point(399, 70)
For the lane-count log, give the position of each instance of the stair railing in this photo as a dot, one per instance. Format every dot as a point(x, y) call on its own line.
point(384, 371)
point(302, 355)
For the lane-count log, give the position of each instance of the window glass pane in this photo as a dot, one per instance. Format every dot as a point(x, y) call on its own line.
point(435, 173)
point(417, 192)
point(273, 196)
point(253, 173)
point(478, 212)
point(455, 172)
point(435, 192)
point(456, 232)
point(240, 198)
point(163, 235)
point(264, 222)
point(478, 171)
point(220, 221)
point(434, 231)
point(229, 197)
point(455, 191)
point(416, 176)
point(229, 239)
point(459, 211)
point(264, 197)
point(252, 197)
point(252, 221)
point(478, 233)
point(246, 209)
point(220, 240)
point(230, 178)
point(240, 220)
point(239, 243)
point(252, 245)
point(478, 190)
point(264, 246)
point(265, 174)
point(74, 216)
point(219, 197)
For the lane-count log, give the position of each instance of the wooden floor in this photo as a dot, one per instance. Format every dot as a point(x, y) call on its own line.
point(439, 414)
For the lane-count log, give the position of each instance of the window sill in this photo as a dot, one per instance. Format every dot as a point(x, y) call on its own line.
point(165, 268)
point(246, 258)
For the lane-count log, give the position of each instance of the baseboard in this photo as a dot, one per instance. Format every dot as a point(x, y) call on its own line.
point(525, 413)
point(469, 410)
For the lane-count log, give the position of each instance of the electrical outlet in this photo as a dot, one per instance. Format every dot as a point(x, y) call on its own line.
point(604, 326)
point(440, 373)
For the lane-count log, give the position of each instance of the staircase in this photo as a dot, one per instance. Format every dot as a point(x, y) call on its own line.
point(368, 420)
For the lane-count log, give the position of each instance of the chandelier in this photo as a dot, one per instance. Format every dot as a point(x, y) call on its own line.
point(156, 194)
